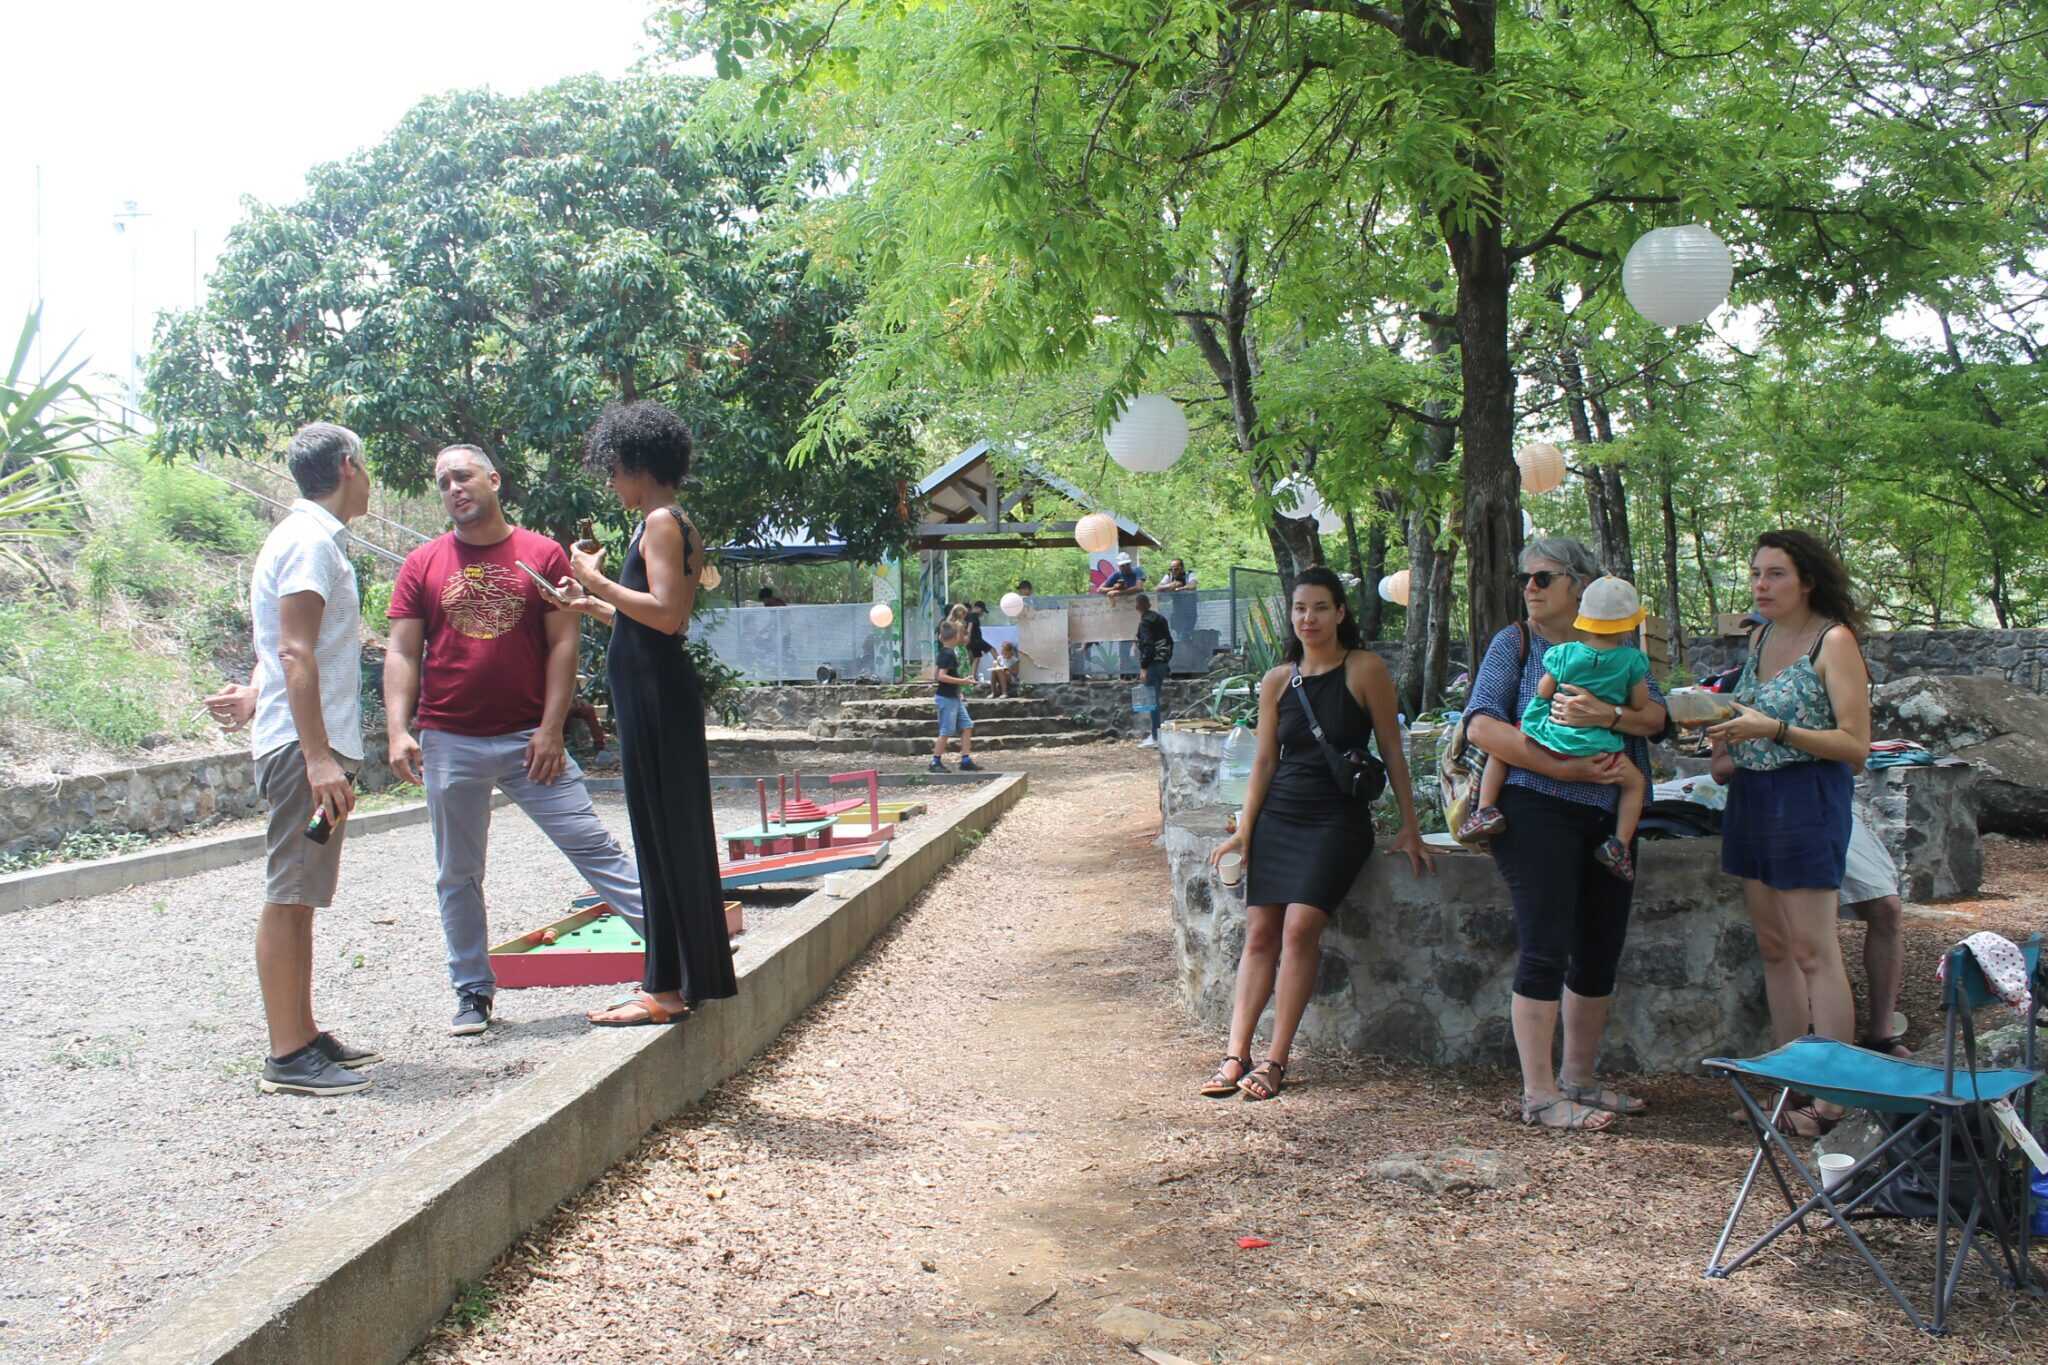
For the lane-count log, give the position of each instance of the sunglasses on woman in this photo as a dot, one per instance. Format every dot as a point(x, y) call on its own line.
point(1542, 578)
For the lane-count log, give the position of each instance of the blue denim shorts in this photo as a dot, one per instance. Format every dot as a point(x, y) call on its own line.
point(953, 717)
point(1789, 828)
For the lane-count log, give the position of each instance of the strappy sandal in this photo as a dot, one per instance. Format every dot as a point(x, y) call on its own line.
point(652, 1011)
point(1264, 1081)
point(1585, 1119)
point(1613, 855)
point(1822, 1124)
point(1222, 1087)
point(1596, 1096)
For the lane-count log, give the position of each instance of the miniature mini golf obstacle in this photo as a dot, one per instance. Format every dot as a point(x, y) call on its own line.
point(805, 842)
point(590, 947)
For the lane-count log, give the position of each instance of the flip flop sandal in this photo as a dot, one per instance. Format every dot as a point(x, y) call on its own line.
point(1264, 1081)
point(1822, 1124)
point(1586, 1120)
point(1599, 1097)
point(651, 1012)
point(1221, 1087)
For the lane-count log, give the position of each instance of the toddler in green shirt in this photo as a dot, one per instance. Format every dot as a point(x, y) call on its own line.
point(1604, 663)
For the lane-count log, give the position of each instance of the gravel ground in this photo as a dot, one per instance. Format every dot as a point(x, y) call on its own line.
point(140, 1160)
point(983, 1144)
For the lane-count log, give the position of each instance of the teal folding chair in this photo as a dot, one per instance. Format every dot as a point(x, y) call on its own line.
point(1942, 1140)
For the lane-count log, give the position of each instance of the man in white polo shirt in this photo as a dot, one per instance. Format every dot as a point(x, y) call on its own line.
point(307, 738)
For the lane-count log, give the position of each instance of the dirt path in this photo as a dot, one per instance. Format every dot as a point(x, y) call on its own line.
point(983, 1145)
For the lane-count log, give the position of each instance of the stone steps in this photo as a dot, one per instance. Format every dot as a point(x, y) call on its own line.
point(920, 708)
point(1044, 740)
point(984, 724)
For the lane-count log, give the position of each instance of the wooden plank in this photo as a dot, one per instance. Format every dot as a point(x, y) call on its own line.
point(798, 867)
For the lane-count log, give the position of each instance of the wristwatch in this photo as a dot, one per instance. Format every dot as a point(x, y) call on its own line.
point(1617, 718)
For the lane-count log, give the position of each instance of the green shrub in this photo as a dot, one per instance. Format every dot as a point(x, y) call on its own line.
point(70, 675)
point(196, 509)
point(377, 607)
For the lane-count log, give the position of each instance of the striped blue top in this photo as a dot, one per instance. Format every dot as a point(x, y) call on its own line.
point(1497, 692)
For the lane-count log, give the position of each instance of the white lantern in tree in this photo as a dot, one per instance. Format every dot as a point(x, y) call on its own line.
point(881, 615)
point(1295, 496)
point(1397, 587)
point(1384, 590)
point(1329, 520)
point(1148, 435)
point(1676, 276)
point(1096, 533)
point(711, 577)
point(1012, 604)
point(1542, 466)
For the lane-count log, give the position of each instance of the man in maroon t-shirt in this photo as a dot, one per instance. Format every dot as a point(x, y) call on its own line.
point(489, 698)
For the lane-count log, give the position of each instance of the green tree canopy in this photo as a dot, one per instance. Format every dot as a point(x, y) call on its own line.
point(498, 268)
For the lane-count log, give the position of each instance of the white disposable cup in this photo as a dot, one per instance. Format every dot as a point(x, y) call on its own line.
point(1230, 869)
point(1834, 1168)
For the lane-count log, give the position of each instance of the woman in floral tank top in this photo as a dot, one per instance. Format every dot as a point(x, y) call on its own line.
point(1790, 755)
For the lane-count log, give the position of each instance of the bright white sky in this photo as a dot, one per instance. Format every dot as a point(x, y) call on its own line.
point(185, 109)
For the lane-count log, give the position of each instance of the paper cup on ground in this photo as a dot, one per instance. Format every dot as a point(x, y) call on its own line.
point(1230, 869)
point(1834, 1168)
point(840, 885)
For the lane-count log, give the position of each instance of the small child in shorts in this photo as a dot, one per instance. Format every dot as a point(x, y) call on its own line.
point(1601, 661)
point(1002, 673)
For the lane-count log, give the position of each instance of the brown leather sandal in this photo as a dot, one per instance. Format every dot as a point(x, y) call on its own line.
point(1264, 1081)
point(651, 1010)
point(1221, 1086)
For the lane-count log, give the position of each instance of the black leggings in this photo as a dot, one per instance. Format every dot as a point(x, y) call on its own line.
point(1571, 914)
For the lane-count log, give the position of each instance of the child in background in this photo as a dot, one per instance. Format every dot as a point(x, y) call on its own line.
point(953, 717)
point(1002, 673)
point(1601, 662)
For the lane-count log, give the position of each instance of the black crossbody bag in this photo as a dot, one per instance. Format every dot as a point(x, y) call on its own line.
point(1358, 775)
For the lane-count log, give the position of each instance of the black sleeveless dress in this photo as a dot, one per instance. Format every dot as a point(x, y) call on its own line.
point(1311, 841)
point(659, 709)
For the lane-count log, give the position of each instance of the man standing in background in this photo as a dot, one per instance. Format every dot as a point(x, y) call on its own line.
point(305, 720)
point(489, 697)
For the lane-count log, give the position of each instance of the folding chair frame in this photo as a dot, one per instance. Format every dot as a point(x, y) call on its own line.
point(1936, 1126)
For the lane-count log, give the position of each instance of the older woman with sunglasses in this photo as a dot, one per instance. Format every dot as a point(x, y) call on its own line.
point(1571, 917)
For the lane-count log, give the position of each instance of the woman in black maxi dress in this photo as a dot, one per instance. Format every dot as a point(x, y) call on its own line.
point(658, 708)
point(1303, 840)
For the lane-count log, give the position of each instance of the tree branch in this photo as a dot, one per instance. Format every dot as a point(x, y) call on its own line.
point(1307, 67)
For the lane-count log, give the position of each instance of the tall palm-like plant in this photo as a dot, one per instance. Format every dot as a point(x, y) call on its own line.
point(48, 423)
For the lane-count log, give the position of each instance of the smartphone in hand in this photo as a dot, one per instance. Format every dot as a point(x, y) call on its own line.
point(547, 589)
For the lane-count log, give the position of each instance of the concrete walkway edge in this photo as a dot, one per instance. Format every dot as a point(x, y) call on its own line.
point(366, 1278)
point(183, 858)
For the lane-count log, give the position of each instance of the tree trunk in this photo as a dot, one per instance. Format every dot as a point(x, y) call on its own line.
point(1293, 539)
point(1671, 567)
point(1426, 637)
point(1436, 666)
point(1699, 550)
point(1606, 500)
point(1370, 570)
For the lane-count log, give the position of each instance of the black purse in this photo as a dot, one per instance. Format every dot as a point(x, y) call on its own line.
point(1358, 775)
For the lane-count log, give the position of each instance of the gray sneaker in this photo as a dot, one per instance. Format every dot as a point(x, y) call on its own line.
point(307, 1072)
point(342, 1055)
point(472, 1014)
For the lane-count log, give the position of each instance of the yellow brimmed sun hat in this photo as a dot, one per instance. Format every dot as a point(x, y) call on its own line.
point(1610, 606)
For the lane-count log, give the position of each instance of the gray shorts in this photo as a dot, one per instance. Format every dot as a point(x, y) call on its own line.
point(1869, 873)
point(300, 872)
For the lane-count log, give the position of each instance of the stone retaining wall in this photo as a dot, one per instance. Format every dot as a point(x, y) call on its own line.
point(158, 798)
point(1097, 705)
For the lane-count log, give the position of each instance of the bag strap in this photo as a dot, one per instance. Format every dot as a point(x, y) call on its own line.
point(1339, 769)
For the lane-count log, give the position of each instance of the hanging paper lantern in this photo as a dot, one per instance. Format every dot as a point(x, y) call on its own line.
point(1676, 276)
point(1012, 604)
point(1295, 496)
point(1394, 587)
point(1329, 520)
point(881, 615)
point(1542, 466)
point(1385, 588)
point(1096, 533)
point(711, 577)
point(1148, 435)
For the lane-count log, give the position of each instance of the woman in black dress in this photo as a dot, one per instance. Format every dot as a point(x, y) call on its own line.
point(658, 707)
point(1303, 840)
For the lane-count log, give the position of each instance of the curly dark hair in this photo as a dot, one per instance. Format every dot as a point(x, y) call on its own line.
point(1827, 582)
point(644, 438)
point(1322, 576)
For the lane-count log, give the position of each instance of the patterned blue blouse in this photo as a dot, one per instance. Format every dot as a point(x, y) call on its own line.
point(1497, 692)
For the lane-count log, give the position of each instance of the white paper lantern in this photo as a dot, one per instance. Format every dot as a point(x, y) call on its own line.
point(1096, 533)
point(1295, 496)
point(881, 615)
point(711, 577)
point(1676, 276)
point(1148, 435)
point(1542, 466)
point(1395, 587)
point(1329, 520)
point(1012, 604)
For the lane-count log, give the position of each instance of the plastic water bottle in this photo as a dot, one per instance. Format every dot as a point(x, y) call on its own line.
point(1236, 775)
